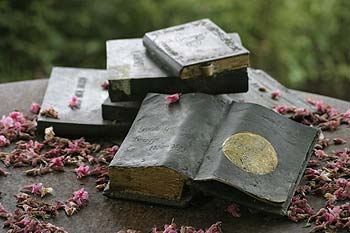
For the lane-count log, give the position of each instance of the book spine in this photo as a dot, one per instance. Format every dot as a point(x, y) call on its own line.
point(172, 67)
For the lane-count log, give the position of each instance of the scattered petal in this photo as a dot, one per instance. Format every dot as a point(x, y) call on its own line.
point(35, 108)
point(50, 113)
point(82, 171)
point(276, 94)
point(173, 98)
point(74, 102)
point(105, 85)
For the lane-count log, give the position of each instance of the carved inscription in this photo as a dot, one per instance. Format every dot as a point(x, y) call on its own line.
point(79, 91)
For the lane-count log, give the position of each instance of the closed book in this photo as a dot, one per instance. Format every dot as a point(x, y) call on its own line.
point(86, 118)
point(132, 74)
point(239, 151)
point(195, 50)
point(122, 111)
point(261, 85)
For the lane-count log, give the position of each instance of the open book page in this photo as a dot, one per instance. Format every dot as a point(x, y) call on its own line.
point(175, 136)
point(259, 152)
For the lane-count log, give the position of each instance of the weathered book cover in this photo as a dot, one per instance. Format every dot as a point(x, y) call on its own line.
point(261, 85)
point(86, 118)
point(122, 111)
point(132, 74)
point(195, 50)
point(240, 151)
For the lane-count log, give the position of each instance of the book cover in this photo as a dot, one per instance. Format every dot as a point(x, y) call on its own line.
point(195, 50)
point(86, 118)
point(132, 74)
point(240, 151)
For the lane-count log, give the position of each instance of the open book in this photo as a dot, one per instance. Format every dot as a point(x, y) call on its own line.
point(239, 151)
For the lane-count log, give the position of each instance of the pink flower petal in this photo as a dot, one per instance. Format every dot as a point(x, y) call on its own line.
point(105, 85)
point(173, 98)
point(4, 141)
point(82, 171)
point(276, 94)
point(74, 102)
point(35, 108)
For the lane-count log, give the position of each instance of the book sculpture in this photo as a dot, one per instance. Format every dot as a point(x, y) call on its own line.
point(220, 139)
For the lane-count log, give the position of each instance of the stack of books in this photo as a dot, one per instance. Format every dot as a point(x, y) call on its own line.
point(221, 138)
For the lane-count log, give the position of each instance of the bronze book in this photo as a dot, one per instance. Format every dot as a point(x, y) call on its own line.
point(239, 151)
point(86, 119)
point(261, 85)
point(132, 74)
point(195, 50)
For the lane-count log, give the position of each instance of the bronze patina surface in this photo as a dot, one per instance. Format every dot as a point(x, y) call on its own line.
point(86, 119)
point(187, 137)
point(184, 50)
point(133, 74)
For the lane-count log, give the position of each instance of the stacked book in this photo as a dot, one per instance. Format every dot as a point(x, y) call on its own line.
point(207, 143)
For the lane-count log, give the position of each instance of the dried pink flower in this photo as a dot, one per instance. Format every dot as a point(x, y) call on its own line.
point(3, 213)
point(319, 106)
point(311, 101)
point(173, 98)
point(280, 109)
point(7, 121)
point(49, 112)
point(57, 163)
point(35, 108)
point(80, 197)
point(82, 171)
point(4, 141)
point(347, 114)
point(276, 94)
point(34, 188)
point(17, 116)
point(233, 209)
point(320, 154)
point(74, 102)
point(338, 141)
point(105, 85)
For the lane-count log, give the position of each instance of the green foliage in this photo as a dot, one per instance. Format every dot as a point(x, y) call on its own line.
point(304, 44)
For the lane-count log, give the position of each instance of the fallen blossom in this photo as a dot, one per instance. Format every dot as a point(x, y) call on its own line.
point(319, 106)
point(320, 154)
point(49, 133)
point(80, 197)
point(338, 141)
point(38, 189)
point(35, 108)
point(4, 141)
point(38, 171)
point(280, 109)
point(50, 113)
point(276, 94)
point(173, 98)
point(34, 188)
point(57, 163)
point(3, 213)
point(299, 209)
point(7, 121)
point(82, 171)
point(233, 210)
point(105, 85)
point(311, 101)
point(74, 102)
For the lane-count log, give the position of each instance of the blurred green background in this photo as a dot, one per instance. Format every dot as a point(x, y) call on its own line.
point(304, 44)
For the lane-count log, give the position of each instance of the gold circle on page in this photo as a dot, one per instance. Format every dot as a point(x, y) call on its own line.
point(251, 152)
